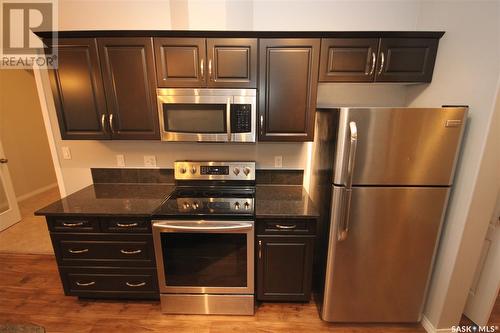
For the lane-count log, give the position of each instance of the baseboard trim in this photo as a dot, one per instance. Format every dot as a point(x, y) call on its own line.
point(429, 327)
point(35, 192)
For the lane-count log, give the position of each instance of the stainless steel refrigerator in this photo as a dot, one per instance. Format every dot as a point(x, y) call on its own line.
point(391, 173)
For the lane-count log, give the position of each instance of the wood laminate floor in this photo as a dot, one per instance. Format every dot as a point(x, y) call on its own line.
point(30, 292)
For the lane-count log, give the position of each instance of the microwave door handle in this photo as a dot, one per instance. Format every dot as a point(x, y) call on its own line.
point(207, 227)
point(228, 118)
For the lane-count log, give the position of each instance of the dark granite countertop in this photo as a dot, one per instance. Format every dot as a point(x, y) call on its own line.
point(283, 201)
point(111, 199)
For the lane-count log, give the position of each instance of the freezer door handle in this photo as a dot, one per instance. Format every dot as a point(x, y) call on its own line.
point(352, 153)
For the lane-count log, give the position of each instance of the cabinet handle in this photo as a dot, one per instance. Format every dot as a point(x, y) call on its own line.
point(134, 285)
point(82, 284)
point(202, 68)
point(4, 160)
point(280, 226)
point(210, 69)
point(260, 249)
point(72, 225)
point(111, 123)
point(373, 64)
point(261, 124)
point(127, 225)
point(382, 60)
point(78, 251)
point(103, 123)
point(130, 251)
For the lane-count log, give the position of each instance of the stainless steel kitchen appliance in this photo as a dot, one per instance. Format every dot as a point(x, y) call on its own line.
point(207, 115)
point(392, 170)
point(204, 240)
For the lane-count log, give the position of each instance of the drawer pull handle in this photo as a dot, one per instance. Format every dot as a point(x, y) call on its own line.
point(130, 251)
point(76, 224)
point(127, 225)
point(78, 251)
point(134, 285)
point(286, 227)
point(83, 284)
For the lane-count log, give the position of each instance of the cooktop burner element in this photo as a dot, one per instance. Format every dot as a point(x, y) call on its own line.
point(211, 189)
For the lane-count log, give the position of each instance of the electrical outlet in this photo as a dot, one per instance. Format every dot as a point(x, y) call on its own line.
point(66, 153)
point(278, 161)
point(120, 160)
point(150, 161)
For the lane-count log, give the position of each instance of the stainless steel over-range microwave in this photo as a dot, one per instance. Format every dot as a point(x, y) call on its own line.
point(207, 115)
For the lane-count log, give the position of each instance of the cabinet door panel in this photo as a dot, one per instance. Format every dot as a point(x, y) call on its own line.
point(406, 59)
point(232, 62)
point(348, 59)
point(288, 86)
point(180, 62)
point(128, 72)
point(78, 90)
point(284, 268)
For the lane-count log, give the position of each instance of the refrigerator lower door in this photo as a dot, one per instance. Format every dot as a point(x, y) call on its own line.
point(380, 271)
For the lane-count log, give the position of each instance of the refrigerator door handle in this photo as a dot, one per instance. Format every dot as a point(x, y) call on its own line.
point(346, 216)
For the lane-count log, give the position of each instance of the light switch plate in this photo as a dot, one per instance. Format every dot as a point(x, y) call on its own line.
point(150, 161)
point(66, 153)
point(278, 161)
point(120, 160)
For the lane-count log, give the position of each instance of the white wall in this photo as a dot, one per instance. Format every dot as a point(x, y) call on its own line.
point(467, 72)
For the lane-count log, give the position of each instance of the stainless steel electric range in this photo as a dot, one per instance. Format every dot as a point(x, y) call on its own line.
point(204, 240)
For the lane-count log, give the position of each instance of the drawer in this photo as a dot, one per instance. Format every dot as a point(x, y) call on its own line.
point(125, 225)
point(73, 224)
point(110, 282)
point(104, 250)
point(286, 227)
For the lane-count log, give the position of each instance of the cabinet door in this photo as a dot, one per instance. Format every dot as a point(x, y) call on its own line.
point(348, 59)
point(232, 62)
point(406, 59)
point(287, 89)
point(180, 62)
point(129, 81)
point(284, 268)
point(78, 90)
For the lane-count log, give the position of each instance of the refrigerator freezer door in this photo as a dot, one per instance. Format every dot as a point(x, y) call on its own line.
point(380, 271)
point(400, 146)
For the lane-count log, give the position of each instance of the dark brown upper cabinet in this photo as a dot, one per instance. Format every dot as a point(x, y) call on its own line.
point(377, 59)
point(129, 81)
point(201, 62)
point(180, 62)
point(232, 62)
point(348, 59)
point(78, 90)
point(406, 59)
point(287, 88)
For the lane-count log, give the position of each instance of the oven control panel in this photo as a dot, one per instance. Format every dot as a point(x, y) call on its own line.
point(201, 170)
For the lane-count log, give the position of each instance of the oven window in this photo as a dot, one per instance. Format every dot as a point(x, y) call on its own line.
point(205, 259)
point(195, 118)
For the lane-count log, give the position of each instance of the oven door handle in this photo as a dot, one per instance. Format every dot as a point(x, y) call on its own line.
point(203, 226)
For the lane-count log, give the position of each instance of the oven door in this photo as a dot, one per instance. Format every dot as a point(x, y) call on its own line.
point(195, 118)
point(205, 257)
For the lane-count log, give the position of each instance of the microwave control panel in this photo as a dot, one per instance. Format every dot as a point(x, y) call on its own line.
point(241, 118)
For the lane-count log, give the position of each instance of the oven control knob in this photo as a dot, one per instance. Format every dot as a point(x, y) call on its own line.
point(186, 205)
point(182, 170)
point(246, 171)
point(193, 170)
point(236, 205)
point(196, 205)
point(247, 205)
point(236, 171)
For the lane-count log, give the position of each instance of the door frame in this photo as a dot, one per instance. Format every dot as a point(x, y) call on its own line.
point(12, 215)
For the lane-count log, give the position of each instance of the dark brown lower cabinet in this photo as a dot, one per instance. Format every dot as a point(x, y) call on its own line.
point(105, 257)
point(284, 268)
